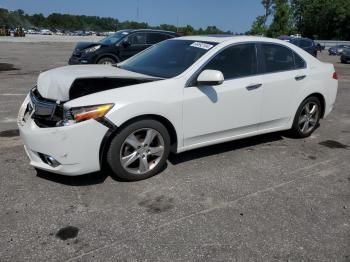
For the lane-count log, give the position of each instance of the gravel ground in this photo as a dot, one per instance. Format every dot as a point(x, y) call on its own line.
point(268, 198)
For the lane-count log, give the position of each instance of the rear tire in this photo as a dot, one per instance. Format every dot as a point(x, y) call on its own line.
point(139, 150)
point(307, 117)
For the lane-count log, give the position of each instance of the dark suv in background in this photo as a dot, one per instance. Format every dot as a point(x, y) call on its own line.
point(304, 43)
point(118, 46)
point(345, 56)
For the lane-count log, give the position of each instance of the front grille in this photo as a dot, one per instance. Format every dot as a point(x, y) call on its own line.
point(47, 112)
point(77, 54)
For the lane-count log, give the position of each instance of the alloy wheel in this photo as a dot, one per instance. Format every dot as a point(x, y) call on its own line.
point(141, 151)
point(308, 117)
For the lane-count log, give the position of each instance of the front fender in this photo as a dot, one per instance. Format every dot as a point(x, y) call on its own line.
point(120, 114)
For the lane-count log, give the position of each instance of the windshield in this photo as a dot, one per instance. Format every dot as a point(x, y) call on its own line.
point(168, 58)
point(114, 38)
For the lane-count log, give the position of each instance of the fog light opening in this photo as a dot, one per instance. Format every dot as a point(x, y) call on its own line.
point(49, 160)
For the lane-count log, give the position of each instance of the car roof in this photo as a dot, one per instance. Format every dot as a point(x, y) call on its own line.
point(148, 30)
point(229, 39)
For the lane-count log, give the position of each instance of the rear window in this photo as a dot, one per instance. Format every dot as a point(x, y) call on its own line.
point(277, 58)
point(304, 43)
point(154, 38)
point(299, 62)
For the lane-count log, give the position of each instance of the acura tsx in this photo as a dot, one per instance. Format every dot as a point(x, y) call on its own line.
point(180, 94)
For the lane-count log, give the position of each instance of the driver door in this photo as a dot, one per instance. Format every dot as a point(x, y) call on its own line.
point(232, 109)
point(137, 43)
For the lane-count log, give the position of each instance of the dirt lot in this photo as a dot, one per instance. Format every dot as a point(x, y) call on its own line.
point(268, 198)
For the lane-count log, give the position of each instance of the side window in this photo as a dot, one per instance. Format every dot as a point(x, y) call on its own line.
point(235, 61)
point(138, 39)
point(154, 38)
point(305, 43)
point(295, 42)
point(277, 58)
point(299, 62)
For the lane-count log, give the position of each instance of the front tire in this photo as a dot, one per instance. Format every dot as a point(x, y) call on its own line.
point(106, 61)
point(307, 118)
point(139, 150)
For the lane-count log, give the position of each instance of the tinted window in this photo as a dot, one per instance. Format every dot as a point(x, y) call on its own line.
point(138, 39)
point(114, 38)
point(277, 58)
point(299, 62)
point(305, 43)
point(167, 59)
point(154, 38)
point(235, 61)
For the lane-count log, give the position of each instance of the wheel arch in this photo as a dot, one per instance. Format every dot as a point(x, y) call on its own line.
point(322, 101)
point(114, 130)
point(109, 55)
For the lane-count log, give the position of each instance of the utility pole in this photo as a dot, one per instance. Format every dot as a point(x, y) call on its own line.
point(177, 24)
point(138, 11)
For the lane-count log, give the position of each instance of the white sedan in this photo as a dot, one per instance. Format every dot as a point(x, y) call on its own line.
point(180, 94)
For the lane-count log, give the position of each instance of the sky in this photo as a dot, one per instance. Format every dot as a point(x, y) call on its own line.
point(233, 15)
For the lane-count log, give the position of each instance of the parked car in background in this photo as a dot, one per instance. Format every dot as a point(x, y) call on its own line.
point(345, 56)
point(337, 50)
point(46, 32)
point(304, 43)
point(180, 94)
point(118, 46)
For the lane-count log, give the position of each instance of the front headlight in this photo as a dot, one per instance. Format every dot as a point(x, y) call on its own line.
point(92, 49)
point(80, 114)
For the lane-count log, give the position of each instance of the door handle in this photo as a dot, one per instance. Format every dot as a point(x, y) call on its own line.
point(253, 86)
point(298, 78)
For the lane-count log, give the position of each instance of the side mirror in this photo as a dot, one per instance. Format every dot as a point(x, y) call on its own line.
point(210, 77)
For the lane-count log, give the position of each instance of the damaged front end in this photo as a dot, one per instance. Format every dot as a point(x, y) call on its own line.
point(44, 112)
point(51, 113)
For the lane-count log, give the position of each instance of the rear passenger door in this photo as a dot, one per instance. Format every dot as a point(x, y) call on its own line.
point(283, 75)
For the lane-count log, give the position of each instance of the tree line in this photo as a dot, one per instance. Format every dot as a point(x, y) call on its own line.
point(67, 22)
point(317, 19)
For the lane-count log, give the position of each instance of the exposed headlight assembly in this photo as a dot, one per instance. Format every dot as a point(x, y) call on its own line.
point(92, 49)
point(80, 114)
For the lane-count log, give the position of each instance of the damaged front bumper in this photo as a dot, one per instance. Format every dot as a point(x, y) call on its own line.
point(69, 150)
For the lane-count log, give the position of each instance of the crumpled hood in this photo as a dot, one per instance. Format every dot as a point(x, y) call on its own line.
point(55, 83)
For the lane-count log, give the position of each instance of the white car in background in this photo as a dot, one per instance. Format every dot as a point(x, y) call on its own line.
point(180, 94)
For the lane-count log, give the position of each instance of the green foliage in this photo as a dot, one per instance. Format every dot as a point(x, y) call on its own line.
point(318, 19)
point(66, 22)
point(258, 27)
point(281, 23)
point(323, 19)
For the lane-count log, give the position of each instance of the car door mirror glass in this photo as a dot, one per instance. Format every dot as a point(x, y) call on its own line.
point(210, 77)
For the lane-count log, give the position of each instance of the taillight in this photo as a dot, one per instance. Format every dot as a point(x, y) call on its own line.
point(335, 76)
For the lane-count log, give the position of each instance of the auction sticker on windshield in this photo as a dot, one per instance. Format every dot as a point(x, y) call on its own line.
point(202, 45)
